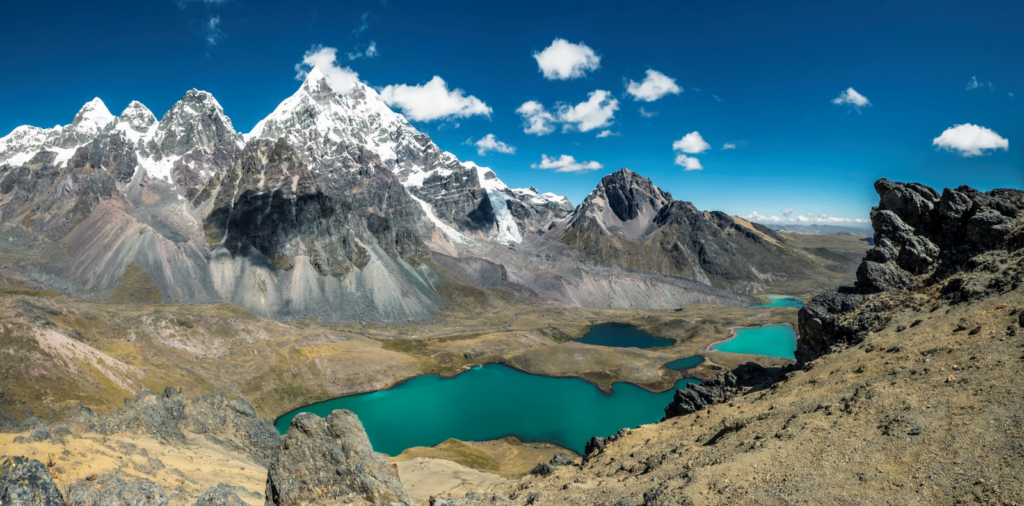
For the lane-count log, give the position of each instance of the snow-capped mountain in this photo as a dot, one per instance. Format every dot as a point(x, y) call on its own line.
point(333, 206)
point(24, 142)
point(324, 123)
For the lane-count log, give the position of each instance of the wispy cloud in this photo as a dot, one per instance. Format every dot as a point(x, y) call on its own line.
point(369, 52)
point(648, 114)
point(565, 163)
point(184, 3)
point(821, 218)
point(728, 145)
point(974, 84)
point(213, 32)
point(607, 133)
point(364, 23)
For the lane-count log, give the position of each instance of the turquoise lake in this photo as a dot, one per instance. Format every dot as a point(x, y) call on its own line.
point(685, 363)
point(620, 335)
point(769, 340)
point(493, 401)
point(782, 301)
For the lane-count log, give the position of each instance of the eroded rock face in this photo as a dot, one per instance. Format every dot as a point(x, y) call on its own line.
point(629, 222)
point(328, 460)
point(27, 482)
point(921, 238)
point(697, 396)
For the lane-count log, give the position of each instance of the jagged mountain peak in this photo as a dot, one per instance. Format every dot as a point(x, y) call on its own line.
point(324, 119)
point(624, 201)
point(197, 120)
point(92, 117)
point(136, 122)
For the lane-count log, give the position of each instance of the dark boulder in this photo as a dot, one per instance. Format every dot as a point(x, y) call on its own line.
point(543, 469)
point(113, 490)
point(27, 482)
point(329, 460)
point(562, 459)
point(222, 495)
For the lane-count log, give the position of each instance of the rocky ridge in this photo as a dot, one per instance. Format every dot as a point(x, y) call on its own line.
point(923, 242)
point(630, 222)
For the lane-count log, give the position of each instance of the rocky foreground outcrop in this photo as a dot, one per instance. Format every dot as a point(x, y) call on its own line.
point(25, 482)
point(319, 460)
point(922, 240)
point(330, 460)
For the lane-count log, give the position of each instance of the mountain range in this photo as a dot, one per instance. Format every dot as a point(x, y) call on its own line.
point(336, 207)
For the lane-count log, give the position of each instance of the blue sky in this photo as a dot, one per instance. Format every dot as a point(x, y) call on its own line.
point(775, 68)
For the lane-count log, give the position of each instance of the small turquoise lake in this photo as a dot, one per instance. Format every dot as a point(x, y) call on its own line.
point(685, 363)
point(782, 301)
point(621, 335)
point(493, 401)
point(769, 340)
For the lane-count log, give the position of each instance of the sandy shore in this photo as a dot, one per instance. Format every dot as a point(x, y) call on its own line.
point(425, 477)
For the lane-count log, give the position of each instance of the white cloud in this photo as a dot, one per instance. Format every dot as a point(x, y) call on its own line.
point(648, 114)
point(1010, 93)
point(565, 163)
point(370, 52)
point(565, 60)
point(729, 145)
point(717, 98)
point(213, 31)
point(433, 100)
point(691, 143)
point(597, 112)
point(787, 212)
point(607, 133)
point(653, 87)
point(974, 84)
point(822, 218)
point(537, 120)
point(688, 162)
point(325, 59)
point(490, 143)
point(970, 140)
point(851, 97)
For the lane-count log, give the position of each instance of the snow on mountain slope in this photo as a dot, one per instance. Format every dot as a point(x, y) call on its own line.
point(195, 139)
point(137, 123)
point(25, 141)
point(325, 123)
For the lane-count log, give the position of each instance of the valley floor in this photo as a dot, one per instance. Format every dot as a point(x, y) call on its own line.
point(73, 351)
